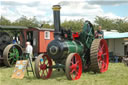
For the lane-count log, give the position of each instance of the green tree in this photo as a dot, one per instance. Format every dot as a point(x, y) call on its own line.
point(24, 21)
point(112, 24)
point(75, 25)
point(45, 24)
point(122, 25)
point(4, 21)
point(106, 23)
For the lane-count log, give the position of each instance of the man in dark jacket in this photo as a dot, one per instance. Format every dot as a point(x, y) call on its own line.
point(99, 33)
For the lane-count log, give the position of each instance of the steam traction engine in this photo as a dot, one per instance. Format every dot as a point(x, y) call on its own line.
point(72, 52)
point(9, 52)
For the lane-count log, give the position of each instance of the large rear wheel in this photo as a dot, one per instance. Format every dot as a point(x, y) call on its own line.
point(11, 54)
point(43, 65)
point(73, 66)
point(99, 56)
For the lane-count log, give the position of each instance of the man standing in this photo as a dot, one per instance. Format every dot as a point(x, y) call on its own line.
point(99, 33)
point(29, 50)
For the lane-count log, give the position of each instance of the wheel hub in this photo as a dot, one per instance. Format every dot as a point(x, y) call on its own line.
point(43, 66)
point(102, 56)
point(14, 56)
point(100, 53)
point(74, 66)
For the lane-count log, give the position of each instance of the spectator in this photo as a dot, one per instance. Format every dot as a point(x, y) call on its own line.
point(14, 40)
point(29, 50)
point(99, 33)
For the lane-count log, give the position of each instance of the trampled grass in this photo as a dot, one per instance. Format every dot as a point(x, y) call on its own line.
point(117, 74)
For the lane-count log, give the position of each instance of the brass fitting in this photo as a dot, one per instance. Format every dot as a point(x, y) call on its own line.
point(56, 7)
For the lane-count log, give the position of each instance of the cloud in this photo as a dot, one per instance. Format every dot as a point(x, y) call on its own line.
point(77, 10)
point(108, 2)
point(15, 9)
point(42, 9)
point(14, 3)
point(9, 14)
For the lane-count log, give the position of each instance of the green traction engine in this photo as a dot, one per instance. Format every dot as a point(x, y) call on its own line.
point(9, 53)
point(73, 52)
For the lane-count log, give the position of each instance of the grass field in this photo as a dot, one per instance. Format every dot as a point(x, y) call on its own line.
point(117, 74)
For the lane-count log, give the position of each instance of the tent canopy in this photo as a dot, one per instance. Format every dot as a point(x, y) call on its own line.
point(116, 35)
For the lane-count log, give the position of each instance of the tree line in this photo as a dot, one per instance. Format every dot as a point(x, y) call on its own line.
point(76, 25)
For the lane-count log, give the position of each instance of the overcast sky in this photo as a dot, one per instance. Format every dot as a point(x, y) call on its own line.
point(71, 9)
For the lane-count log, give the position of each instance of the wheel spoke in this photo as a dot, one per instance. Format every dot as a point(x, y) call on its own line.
point(72, 71)
point(11, 54)
point(42, 74)
point(45, 74)
point(103, 67)
point(12, 62)
point(71, 67)
point(76, 72)
point(73, 76)
point(13, 49)
point(100, 64)
point(104, 54)
point(102, 47)
point(77, 62)
point(104, 64)
point(10, 58)
point(99, 58)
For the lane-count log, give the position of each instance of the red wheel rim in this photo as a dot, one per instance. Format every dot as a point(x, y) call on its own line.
point(44, 64)
point(103, 56)
point(75, 67)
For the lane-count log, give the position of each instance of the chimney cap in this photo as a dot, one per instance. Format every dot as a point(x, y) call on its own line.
point(56, 7)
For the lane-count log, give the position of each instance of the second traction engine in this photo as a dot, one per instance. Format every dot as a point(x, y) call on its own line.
point(9, 53)
point(72, 51)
